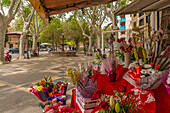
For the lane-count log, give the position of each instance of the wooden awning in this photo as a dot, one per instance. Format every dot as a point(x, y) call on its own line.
point(138, 6)
point(45, 8)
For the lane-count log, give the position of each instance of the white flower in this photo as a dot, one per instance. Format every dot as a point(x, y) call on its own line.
point(144, 71)
point(147, 66)
point(150, 71)
point(132, 65)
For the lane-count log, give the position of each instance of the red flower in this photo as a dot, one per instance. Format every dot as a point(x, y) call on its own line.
point(157, 66)
point(139, 53)
point(96, 95)
point(104, 105)
point(30, 90)
point(122, 48)
point(43, 89)
point(152, 63)
point(118, 40)
point(31, 86)
point(122, 88)
point(67, 110)
point(103, 55)
point(129, 40)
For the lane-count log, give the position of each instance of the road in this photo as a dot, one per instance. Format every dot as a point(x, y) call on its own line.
point(16, 55)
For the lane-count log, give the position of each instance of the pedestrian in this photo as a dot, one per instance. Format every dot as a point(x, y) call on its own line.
point(95, 49)
point(73, 48)
point(84, 49)
point(69, 48)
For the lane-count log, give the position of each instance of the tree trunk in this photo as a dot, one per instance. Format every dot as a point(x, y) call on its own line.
point(22, 40)
point(22, 45)
point(3, 28)
point(35, 38)
point(77, 44)
point(99, 41)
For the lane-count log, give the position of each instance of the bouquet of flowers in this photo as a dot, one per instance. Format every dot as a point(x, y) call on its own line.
point(81, 79)
point(146, 73)
point(110, 66)
point(56, 106)
point(46, 88)
point(117, 104)
point(125, 46)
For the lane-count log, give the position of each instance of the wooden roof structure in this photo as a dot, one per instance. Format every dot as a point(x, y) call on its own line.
point(46, 8)
point(138, 6)
point(16, 33)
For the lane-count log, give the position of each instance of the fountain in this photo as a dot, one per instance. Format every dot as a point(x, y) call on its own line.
point(62, 44)
point(62, 52)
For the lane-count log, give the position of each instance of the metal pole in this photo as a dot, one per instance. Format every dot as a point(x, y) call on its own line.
point(27, 48)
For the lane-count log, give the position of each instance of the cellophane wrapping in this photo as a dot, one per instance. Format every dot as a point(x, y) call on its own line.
point(150, 82)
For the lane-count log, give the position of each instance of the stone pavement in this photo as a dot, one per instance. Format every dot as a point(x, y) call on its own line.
point(17, 76)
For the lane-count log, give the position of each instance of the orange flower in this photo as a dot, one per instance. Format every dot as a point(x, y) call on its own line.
point(48, 86)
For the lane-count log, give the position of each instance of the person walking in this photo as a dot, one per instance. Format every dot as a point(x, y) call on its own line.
point(69, 48)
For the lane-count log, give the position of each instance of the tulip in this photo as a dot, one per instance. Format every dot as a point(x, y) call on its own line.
point(112, 102)
point(50, 80)
point(45, 78)
point(117, 108)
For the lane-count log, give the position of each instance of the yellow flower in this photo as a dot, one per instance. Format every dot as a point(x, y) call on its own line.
point(112, 102)
point(61, 86)
point(117, 108)
point(39, 88)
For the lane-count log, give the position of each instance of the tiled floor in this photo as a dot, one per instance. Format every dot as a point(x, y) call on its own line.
point(18, 76)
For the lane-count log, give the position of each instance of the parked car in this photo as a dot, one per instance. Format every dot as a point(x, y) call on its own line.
point(13, 50)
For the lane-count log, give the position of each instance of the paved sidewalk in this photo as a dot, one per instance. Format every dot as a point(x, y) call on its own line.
point(17, 76)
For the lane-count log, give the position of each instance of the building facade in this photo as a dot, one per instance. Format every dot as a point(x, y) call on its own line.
point(13, 39)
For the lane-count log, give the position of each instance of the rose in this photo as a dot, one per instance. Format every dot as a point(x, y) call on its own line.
point(122, 88)
point(47, 108)
point(67, 110)
point(152, 63)
point(122, 48)
point(44, 103)
point(51, 111)
point(129, 40)
point(96, 95)
point(104, 105)
point(31, 86)
point(157, 66)
point(118, 40)
point(103, 55)
point(54, 100)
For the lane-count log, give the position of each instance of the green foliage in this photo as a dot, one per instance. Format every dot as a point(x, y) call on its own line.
point(52, 32)
point(6, 3)
point(72, 30)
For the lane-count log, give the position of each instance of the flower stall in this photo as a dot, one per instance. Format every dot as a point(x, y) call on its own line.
point(141, 87)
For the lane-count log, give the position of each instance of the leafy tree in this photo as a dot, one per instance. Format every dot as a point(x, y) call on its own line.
point(73, 31)
point(5, 19)
point(52, 32)
point(26, 13)
point(36, 28)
